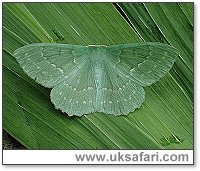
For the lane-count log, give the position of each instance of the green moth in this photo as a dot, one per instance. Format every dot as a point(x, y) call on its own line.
point(96, 78)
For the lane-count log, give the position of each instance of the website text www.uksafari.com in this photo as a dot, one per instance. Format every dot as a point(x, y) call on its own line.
point(143, 157)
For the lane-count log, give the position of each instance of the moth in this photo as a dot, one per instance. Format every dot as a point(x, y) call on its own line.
point(96, 78)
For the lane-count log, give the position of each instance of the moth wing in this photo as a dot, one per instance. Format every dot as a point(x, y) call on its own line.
point(48, 63)
point(145, 63)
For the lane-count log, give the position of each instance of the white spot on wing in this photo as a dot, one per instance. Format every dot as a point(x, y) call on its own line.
point(91, 45)
point(110, 101)
point(133, 69)
point(84, 102)
point(53, 65)
point(60, 70)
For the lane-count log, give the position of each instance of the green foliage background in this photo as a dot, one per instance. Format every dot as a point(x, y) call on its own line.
point(165, 120)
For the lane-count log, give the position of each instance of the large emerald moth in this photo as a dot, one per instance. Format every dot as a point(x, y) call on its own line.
point(96, 78)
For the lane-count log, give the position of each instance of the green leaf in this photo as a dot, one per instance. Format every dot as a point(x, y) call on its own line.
point(28, 114)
